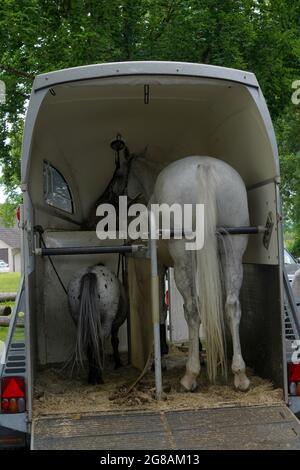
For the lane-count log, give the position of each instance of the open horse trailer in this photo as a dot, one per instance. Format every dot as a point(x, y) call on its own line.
point(176, 109)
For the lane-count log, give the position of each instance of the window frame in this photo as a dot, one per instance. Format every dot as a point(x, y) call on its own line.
point(46, 166)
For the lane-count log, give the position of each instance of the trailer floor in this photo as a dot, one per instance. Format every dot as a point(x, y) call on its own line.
point(253, 427)
point(55, 392)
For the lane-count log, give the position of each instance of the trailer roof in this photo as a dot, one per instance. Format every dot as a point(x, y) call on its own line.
point(88, 72)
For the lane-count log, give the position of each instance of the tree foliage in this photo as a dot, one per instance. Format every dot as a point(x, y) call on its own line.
point(288, 134)
point(38, 36)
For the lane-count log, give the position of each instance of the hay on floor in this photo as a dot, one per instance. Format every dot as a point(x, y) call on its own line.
point(56, 392)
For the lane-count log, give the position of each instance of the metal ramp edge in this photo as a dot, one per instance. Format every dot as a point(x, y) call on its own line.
point(292, 317)
point(13, 361)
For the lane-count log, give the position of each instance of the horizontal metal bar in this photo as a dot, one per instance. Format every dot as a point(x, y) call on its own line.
point(87, 250)
point(241, 230)
point(134, 248)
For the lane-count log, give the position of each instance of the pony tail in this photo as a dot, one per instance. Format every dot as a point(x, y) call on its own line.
point(207, 277)
point(89, 329)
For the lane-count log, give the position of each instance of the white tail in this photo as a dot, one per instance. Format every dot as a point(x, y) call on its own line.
point(208, 276)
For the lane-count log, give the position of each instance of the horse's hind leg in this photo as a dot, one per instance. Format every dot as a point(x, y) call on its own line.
point(233, 270)
point(184, 283)
point(115, 346)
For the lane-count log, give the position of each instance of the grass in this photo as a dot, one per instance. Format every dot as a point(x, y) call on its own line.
point(3, 332)
point(18, 334)
point(9, 282)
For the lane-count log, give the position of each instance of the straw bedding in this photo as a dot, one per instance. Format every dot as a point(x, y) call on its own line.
point(56, 392)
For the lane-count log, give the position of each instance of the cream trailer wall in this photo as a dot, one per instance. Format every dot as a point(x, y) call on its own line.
point(183, 117)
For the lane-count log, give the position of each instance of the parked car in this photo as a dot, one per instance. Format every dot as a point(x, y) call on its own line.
point(4, 268)
point(291, 264)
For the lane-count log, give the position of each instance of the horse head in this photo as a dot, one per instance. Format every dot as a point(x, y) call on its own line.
point(142, 174)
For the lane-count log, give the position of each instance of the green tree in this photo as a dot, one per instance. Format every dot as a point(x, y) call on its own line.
point(288, 127)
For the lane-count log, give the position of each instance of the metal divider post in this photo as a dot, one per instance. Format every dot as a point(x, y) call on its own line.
point(155, 304)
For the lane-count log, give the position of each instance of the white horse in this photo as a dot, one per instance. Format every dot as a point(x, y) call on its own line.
point(212, 276)
point(99, 306)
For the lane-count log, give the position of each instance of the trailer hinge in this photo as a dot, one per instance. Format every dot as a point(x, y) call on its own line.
point(277, 180)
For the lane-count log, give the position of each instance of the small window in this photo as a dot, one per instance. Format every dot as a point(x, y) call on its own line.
point(56, 189)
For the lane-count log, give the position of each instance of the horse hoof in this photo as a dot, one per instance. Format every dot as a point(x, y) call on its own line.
point(183, 389)
point(241, 382)
point(118, 365)
point(189, 383)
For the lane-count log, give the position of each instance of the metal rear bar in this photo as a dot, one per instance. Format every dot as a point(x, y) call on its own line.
point(44, 251)
point(88, 250)
point(241, 230)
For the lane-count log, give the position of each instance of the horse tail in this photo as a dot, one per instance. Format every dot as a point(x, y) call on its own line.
point(207, 276)
point(90, 338)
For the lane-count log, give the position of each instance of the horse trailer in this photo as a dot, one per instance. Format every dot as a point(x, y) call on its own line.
point(177, 110)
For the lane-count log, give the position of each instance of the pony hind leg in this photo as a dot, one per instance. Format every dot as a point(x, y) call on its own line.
point(95, 373)
point(121, 316)
point(115, 346)
point(232, 265)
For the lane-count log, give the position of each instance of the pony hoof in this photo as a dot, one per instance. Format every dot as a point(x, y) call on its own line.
point(164, 350)
point(189, 383)
point(241, 382)
point(95, 381)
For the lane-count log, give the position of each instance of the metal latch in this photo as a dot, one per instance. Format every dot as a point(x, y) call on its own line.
point(268, 230)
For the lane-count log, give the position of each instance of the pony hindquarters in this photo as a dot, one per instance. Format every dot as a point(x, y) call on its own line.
point(90, 339)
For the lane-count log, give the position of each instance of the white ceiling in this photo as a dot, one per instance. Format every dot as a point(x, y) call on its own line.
point(184, 117)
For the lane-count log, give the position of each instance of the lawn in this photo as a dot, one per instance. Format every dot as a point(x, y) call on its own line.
point(9, 282)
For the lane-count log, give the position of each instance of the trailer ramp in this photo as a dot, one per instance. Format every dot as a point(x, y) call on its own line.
point(255, 427)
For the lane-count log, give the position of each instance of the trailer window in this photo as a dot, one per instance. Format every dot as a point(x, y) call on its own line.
point(56, 189)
